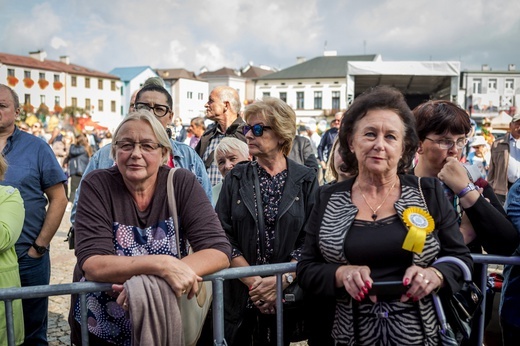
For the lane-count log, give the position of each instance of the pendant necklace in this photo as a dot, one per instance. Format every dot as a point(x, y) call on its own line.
point(374, 211)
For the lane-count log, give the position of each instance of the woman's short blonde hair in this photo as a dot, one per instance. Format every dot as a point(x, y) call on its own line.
point(280, 117)
point(157, 128)
point(3, 167)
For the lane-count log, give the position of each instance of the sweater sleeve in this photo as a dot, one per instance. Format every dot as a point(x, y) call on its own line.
point(12, 215)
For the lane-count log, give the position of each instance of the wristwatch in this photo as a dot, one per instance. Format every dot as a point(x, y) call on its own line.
point(464, 192)
point(39, 249)
point(289, 278)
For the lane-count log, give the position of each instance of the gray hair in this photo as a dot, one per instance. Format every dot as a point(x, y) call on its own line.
point(14, 95)
point(230, 144)
point(230, 95)
point(157, 128)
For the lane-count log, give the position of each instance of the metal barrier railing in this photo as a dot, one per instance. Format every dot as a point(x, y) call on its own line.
point(82, 288)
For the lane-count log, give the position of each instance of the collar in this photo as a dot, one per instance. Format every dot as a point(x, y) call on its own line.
point(175, 148)
point(8, 145)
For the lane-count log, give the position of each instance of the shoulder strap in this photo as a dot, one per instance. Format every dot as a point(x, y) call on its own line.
point(172, 204)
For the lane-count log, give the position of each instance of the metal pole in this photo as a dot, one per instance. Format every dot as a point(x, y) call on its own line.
point(279, 310)
point(218, 312)
point(84, 325)
point(9, 323)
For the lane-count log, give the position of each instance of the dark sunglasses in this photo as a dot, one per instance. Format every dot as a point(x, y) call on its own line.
point(257, 129)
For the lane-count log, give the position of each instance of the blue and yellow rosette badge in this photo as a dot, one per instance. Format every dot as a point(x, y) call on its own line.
point(420, 223)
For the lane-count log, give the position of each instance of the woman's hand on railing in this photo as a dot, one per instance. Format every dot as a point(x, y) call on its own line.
point(122, 298)
point(355, 279)
point(422, 282)
point(263, 292)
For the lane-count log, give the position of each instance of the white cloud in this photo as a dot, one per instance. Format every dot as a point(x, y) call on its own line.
point(57, 42)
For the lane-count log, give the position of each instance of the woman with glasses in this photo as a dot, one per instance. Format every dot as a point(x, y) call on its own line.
point(124, 229)
point(263, 207)
point(442, 127)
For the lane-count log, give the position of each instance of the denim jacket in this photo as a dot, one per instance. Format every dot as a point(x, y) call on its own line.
point(510, 298)
point(183, 155)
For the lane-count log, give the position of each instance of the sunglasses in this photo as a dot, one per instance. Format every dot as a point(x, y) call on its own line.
point(257, 129)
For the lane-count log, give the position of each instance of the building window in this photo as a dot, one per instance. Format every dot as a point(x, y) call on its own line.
point(87, 82)
point(189, 95)
point(492, 84)
point(27, 99)
point(10, 72)
point(42, 75)
point(100, 105)
point(56, 77)
point(300, 100)
point(200, 96)
point(74, 102)
point(283, 96)
point(266, 94)
point(87, 105)
point(73, 81)
point(56, 100)
point(317, 99)
point(113, 85)
point(509, 84)
point(335, 99)
point(26, 74)
point(477, 86)
point(100, 84)
point(42, 99)
point(113, 106)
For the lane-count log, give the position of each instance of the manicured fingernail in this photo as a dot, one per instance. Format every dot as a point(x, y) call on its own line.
point(250, 287)
point(365, 290)
point(409, 295)
point(368, 284)
point(406, 281)
point(362, 295)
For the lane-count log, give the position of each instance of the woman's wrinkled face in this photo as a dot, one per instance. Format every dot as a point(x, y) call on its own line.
point(267, 145)
point(226, 161)
point(378, 141)
point(138, 154)
point(434, 156)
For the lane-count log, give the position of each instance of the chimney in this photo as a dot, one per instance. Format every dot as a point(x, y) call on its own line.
point(39, 55)
point(300, 59)
point(486, 67)
point(511, 67)
point(330, 53)
point(65, 59)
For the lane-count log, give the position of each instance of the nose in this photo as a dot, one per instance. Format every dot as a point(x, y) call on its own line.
point(229, 166)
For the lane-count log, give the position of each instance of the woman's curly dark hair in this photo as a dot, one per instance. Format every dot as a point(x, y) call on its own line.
point(380, 97)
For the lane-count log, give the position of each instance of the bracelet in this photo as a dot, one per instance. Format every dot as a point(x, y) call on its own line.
point(439, 275)
point(468, 188)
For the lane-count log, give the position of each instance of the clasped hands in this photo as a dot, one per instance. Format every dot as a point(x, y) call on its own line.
point(357, 282)
point(262, 291)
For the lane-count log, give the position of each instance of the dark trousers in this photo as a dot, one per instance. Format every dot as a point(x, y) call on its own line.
point(510, 333)
point(33, 272)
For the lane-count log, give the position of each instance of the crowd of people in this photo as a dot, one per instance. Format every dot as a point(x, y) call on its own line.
point(255, 188)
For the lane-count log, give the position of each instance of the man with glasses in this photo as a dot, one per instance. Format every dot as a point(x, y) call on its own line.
point(327, 140)
point(155, 98)
point(223, 107)
point(504, 168)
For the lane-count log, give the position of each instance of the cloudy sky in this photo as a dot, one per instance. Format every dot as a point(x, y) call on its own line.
point(103, 34)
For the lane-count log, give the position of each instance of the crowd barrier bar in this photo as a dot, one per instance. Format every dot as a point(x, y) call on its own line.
point(82, 288)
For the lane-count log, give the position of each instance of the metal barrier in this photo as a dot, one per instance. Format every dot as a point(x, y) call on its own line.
point(82, 288)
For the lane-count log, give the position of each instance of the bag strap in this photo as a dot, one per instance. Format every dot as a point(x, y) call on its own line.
point(463, 266)
point(172, 204)
point(259, 210)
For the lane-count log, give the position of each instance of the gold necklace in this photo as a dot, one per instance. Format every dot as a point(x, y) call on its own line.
point(374, 211)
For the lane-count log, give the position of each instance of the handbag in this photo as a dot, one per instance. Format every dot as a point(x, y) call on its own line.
point(460, 308)
point(195, 310)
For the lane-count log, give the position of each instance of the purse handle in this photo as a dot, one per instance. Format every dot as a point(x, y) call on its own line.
point(172, 204)
point(466, 273)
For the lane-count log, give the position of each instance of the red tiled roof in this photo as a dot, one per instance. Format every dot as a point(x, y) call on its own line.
point(51, 65)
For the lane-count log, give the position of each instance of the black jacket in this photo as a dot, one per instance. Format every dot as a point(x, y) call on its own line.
point(237, 213)
point(77, 160)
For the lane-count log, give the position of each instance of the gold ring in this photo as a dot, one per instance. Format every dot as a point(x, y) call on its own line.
point(427, 281)
point(183, 292)
point(349, 277)
point(125, 305)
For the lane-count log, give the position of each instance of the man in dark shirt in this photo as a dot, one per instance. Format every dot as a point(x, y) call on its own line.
point(327, 140)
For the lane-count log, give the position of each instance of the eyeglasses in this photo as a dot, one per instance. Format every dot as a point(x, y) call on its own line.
point(449, 143)
point(36, 126)
point(146, 147)
point(257, 129)
point(158, 110)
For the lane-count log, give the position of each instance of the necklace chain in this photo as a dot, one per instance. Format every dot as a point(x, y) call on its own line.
point(374, 211)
